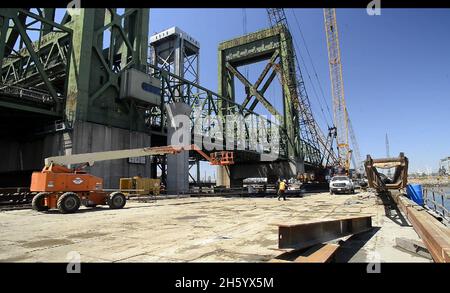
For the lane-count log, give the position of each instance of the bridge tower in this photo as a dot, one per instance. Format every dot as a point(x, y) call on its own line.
point(275, 45)
point(78, 66)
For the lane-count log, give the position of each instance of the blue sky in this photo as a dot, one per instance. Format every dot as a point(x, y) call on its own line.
point(395, 68)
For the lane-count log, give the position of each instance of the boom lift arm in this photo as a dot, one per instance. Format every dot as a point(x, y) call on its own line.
point(90, 158)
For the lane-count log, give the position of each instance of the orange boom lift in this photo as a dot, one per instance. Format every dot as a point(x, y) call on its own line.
point(66, 189)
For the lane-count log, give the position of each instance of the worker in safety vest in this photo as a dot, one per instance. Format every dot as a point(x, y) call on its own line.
point(282, 189)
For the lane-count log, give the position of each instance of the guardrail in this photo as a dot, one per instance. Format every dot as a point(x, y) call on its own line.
point(430, 196)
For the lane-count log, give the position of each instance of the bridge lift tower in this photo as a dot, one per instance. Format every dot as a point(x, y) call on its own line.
point(175, 51)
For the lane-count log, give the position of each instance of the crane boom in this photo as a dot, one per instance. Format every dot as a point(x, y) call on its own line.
point(218, 158)
point(90, 158)
point(337, 87)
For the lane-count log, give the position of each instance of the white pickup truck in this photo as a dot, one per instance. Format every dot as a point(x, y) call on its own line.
point(341, 184)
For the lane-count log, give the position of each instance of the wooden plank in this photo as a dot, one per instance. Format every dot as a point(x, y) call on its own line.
point(432, 232)
point(277, 260)
point(319, 254)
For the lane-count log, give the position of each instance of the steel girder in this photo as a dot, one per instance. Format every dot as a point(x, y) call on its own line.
point(309, 234)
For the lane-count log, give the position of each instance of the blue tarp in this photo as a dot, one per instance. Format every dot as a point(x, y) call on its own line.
point(414, 192)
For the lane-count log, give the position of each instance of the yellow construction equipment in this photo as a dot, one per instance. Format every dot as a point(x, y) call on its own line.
point(337, 87)
point(140, 186)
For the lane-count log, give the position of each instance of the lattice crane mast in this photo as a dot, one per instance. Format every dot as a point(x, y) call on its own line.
point(337, 87)
point(309, 129)
point(356, 155)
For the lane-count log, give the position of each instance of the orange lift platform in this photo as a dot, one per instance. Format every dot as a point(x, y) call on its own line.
point(66, 189)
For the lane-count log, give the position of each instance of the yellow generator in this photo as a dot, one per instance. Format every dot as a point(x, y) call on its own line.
point(142, 186)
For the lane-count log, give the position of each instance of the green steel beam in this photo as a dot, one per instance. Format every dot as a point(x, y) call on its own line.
point(264, 88)
point(49, 15)
point(261, 77)
point(29, 45)
point(254, 91)
point(26, 12)
point(11, 36)
point(267, 68)
point(94, 75)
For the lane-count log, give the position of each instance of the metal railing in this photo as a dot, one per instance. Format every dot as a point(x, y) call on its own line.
point(434, 198)
point(26, 93)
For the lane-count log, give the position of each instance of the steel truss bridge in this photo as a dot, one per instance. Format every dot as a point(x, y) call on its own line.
point(53, 78)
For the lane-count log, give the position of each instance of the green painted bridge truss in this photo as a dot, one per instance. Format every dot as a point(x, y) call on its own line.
point(72, 70)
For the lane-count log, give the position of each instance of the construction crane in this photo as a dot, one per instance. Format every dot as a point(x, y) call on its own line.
point(355, 153)
point(244, 30)
point(66, 189)
point(309, 129)
point(340, 114)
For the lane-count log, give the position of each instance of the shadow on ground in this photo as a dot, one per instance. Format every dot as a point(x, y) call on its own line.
point(351, 248)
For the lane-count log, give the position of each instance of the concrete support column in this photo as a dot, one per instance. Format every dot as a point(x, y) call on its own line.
point(223, 176)
point(178, 134)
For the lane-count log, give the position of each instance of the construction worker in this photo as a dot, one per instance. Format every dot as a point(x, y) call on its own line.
point(282, 189)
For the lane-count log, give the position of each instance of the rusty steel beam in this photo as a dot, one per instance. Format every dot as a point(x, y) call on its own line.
point(432, 232)
point(400, 178)
point(309, 234)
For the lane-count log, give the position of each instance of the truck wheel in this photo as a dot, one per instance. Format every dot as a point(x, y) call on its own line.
point(69, 202)
point(116, 200)
point(38, 202)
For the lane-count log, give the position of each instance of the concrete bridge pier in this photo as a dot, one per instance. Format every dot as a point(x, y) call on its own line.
point(234, 175)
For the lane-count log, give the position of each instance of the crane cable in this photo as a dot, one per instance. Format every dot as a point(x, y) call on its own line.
point(244, 30)
point(315, 71)
point(309, 77)
point(312, 63)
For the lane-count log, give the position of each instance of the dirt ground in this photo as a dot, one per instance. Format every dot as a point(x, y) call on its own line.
point(206, 229)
